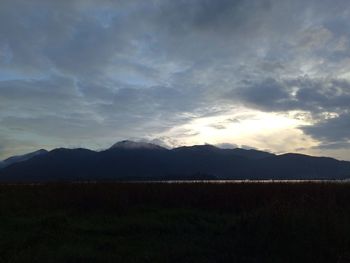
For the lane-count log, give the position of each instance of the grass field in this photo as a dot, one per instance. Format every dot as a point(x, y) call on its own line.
point(201, 222)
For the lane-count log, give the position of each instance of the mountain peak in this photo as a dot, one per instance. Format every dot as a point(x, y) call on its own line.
point(21, 158)
point(25, 156)
point(126, 144)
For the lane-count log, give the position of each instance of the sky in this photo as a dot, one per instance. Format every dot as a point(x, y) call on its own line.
point(266, 74)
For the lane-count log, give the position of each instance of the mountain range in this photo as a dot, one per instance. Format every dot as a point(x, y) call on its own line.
point(128, 160)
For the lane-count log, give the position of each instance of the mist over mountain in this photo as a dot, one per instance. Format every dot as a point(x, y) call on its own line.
point(126, 144)
point(128, 160)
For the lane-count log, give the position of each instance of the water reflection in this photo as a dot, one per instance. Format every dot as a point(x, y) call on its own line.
point(239, 181)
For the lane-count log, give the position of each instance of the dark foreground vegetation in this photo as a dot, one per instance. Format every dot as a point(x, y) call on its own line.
point(153, 222)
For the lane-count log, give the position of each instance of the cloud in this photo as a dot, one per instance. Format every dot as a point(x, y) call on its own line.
point(227, 145)
point(334, 131)
point(218, 126)
point(326, 100)
point(38, 96)
point(333, 146)
point(114, 69)
point(315, 95)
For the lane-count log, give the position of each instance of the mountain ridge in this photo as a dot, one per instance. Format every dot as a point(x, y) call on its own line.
point(127, 160)
point(20, 158)
point(127, 144)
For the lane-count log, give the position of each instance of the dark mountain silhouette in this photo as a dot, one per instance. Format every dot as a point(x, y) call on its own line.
point(251, 154)
point(129, 160)
point(21, 158)
point(135, 145)
point(297, 166)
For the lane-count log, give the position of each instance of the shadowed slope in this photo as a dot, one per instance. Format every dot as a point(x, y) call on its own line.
point(142, 161)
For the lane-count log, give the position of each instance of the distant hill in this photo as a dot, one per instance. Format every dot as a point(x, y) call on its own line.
point(21, 158)
point(129, 160)
point(251, 153)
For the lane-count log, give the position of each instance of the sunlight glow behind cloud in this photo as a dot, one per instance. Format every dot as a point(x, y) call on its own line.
point(247, 127)
point(264, 73)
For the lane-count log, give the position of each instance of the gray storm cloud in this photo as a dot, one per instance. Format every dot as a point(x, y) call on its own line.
point(92, 72)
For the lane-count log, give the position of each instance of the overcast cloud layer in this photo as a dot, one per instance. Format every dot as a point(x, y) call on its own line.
point(89, 73)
